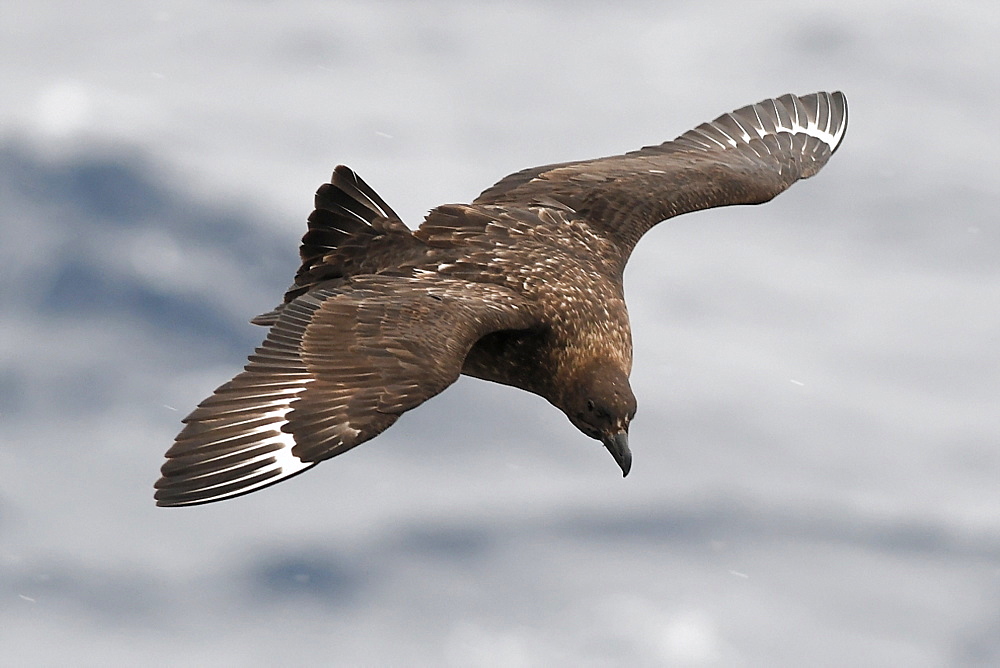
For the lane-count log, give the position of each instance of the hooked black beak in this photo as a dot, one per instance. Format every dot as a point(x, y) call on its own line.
point(617, 445)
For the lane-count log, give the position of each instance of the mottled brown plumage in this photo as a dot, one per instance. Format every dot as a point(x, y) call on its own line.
point(522, 287)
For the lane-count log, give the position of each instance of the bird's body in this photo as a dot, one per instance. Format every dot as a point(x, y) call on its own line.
point(569, 286)
point(522, 287)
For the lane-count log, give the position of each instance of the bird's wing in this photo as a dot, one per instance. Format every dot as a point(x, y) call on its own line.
point(339, 366)
point(745, 157)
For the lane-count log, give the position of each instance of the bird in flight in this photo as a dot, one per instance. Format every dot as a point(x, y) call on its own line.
point(522, 287)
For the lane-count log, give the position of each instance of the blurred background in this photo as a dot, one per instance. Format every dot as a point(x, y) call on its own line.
point(816, 447)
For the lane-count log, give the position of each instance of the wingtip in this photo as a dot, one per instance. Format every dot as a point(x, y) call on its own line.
point(342, 171)
point(841, 101)
point(821, 115)
point(171, 493)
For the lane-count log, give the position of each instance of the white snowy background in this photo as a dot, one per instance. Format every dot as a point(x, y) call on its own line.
point(817, 448)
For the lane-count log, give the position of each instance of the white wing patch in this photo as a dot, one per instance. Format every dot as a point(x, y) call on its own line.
point(233, 444)
point(820, 115)
point(257, 470)
point(824, 124)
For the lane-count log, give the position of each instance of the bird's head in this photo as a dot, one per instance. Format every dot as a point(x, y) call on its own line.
point(602, 406)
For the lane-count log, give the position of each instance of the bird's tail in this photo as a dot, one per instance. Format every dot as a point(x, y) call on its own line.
point(347, 210)
point(348, 217)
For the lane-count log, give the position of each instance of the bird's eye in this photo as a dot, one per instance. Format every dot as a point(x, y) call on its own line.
point(590, 405)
